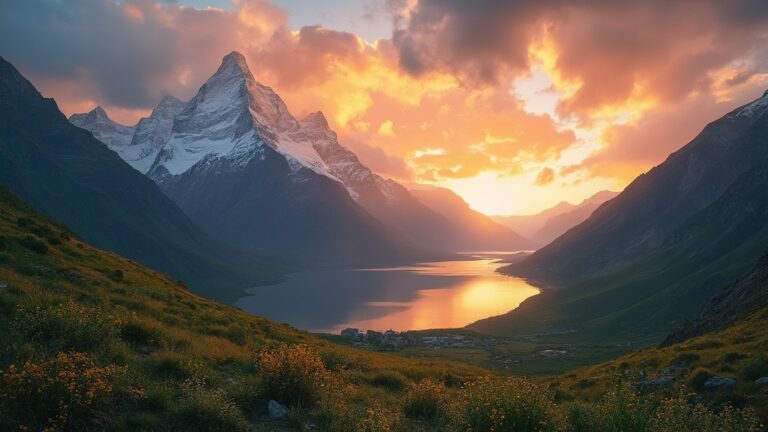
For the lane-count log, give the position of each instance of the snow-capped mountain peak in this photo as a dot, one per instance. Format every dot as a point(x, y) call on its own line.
point(111, 133)
point(169, 106)
point(316, 127)
point(755, 107)
point(232, 117)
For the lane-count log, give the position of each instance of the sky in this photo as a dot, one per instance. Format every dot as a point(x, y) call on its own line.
point(515, 105)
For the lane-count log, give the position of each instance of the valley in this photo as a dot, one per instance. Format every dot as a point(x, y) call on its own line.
point(232, 218)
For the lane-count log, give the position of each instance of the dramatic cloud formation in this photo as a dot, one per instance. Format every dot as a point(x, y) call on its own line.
point(516, 105)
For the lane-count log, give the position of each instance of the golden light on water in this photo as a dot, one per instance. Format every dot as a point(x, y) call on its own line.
point(479, 294)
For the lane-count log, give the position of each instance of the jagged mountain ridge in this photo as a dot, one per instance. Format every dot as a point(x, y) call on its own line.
point(234, 120)
point(239, 164)
point(115, 135)
point(66, 173)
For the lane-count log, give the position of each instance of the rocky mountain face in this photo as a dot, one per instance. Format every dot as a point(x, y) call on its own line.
point(68, 174)
point(657, 203)
point(239, 164)
point(138, 145)
point(412, 213)
point(111, 133)
point(237, 161)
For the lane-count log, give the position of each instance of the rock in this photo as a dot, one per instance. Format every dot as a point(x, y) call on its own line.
point(3, 285)
point(762, 381)
point(232, 381)
point(653, 383)
point(720, 383)
point(277, 410)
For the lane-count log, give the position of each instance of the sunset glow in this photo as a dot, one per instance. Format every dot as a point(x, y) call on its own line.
point(531, 113)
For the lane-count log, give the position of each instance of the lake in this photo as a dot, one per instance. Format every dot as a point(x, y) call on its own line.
point(444, 294)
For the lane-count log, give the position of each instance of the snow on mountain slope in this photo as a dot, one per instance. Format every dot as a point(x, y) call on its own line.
point(233, 125)
point(342, 163)
point(111, 133)
point(138, 145)
point(756, 106)
point(231, 117)
point(152, 133)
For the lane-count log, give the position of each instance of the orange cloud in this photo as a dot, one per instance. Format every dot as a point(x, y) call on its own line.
point(630, 81)
point(545, 177)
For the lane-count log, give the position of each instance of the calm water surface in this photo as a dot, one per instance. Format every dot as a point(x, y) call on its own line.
point(415, 297)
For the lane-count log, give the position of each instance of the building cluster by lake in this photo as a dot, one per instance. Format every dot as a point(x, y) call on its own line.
point(391, 339)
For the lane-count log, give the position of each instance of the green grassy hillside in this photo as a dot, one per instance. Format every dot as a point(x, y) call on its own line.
point(95, 341)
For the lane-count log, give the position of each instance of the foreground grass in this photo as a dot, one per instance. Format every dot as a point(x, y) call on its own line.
point(96, 342)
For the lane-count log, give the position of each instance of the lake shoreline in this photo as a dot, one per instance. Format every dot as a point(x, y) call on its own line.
point(416, 297)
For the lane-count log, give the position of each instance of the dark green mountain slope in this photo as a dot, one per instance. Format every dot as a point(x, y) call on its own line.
point(662, 288)
point(66, 173)
point(657, 203)
point(738, 299)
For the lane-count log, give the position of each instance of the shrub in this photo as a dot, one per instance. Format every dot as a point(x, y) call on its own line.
point(34, 245)
point(44, 231)
point(580, 418)
point(205, 409)
point(169, 365)
point(585, 383)
point(243, 394)
point(390, 380)
point(53, 394)
point(292, 374)
point(755, 368)
point(23, 222)
point(677, 415)
point(618, 411)
point(341, 416)
point(66, 327)
point(512, 404)
point(157, 399)
point(427, 400)
point(685, 359)
point(141, 335)
point(116, 275)
point(373, 420)
point(733, 357)
point(698, 378)
point(336, 361)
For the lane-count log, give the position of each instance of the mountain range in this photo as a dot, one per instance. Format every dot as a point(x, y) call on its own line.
point(647, 260)
point(66, 173)
point(246, 170)
point(543, 227)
